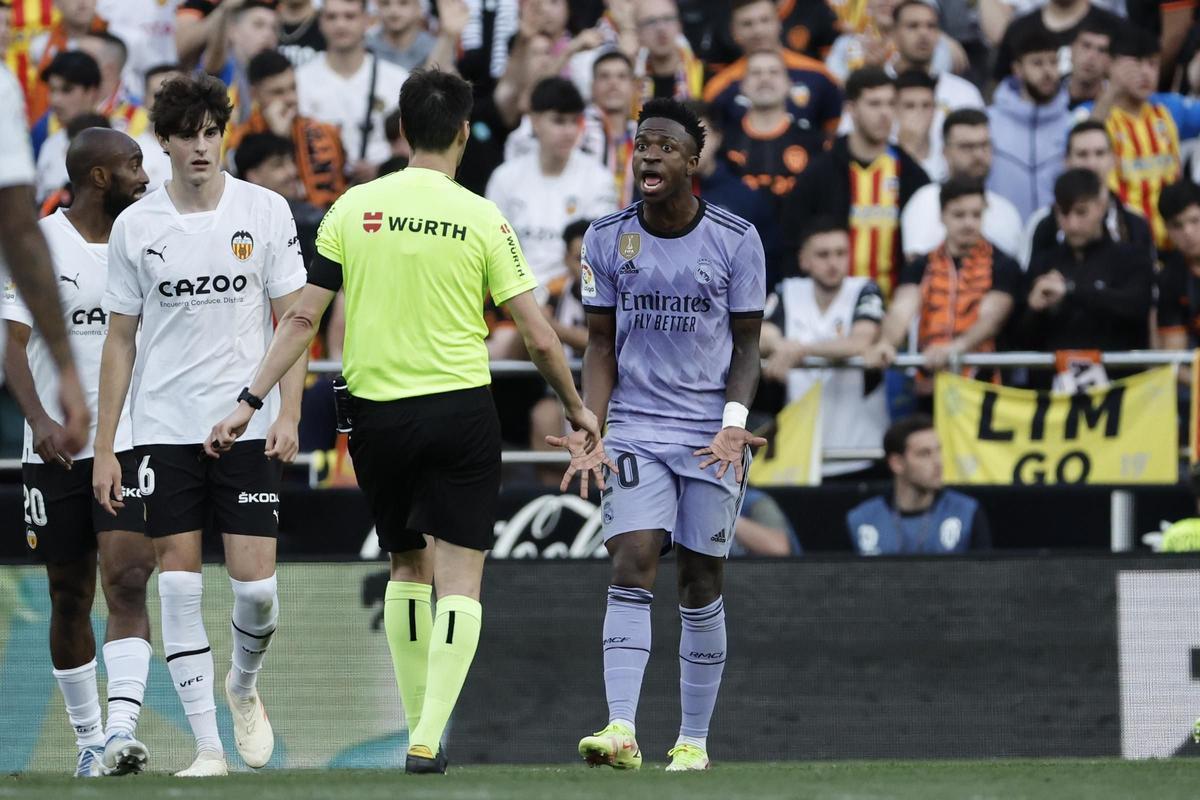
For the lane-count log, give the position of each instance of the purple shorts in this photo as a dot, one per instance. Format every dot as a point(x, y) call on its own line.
point(661, 487)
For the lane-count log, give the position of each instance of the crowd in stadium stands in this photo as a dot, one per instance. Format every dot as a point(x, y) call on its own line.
point(934, 176)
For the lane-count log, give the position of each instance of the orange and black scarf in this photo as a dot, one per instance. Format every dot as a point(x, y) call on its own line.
point(950, 297)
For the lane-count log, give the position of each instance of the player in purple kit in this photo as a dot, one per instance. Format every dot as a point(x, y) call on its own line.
point(674, 289)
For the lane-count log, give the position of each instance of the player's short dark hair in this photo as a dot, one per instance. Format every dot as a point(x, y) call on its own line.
point(184, 103)
point(611, 55)
point(391, 126)
point(866, 78)
point(895, 440)
point(114, 41)
point(433, 107)
point(903, 4)
point(1075, 185)
point(89, 119)
point(915, 78)
point(75, 67)
point(1133, 42)
point(964, 117)
point(267, 64)
point(256, 148)
point(1036, 40)
point(820, 225)
point(575, 230)
point(672, 109)
point(1087, 126)
point(1177, 198)
point(955, 188)
point(555, 94)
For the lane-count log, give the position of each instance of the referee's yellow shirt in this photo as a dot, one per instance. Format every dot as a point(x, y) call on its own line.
point(419, 254)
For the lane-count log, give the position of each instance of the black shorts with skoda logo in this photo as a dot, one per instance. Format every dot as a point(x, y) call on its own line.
point(238, 492)
point(63, 519)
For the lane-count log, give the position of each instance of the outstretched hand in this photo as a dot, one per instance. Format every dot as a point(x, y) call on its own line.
point(588, 457)
point(727, 449)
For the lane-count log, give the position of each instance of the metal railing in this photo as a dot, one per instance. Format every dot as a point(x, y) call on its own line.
point(507, 368)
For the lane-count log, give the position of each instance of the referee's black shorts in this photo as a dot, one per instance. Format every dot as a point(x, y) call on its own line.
point(429, 464)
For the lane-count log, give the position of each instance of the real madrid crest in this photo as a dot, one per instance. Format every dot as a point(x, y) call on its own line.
point(629, 245)
point(242, 245)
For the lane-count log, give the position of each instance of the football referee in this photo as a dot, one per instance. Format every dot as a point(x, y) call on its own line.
point(416, 254)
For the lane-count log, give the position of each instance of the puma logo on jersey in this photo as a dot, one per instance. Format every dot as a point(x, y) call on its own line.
point(150, 251)
point(74, 280)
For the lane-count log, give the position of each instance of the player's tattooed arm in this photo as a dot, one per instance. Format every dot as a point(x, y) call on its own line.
point(729, 445)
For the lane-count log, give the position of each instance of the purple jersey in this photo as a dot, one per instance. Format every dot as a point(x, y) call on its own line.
point(673, 296)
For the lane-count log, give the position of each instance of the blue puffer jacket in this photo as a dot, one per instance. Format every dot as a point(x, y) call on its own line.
point(1028, 142)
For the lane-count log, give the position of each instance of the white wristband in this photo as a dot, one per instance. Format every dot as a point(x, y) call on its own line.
point(734, 416)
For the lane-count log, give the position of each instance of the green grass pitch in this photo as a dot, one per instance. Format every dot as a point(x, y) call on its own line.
point(892, 780)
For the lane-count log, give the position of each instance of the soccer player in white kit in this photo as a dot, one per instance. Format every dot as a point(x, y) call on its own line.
point(204, 264)
point(65, 527)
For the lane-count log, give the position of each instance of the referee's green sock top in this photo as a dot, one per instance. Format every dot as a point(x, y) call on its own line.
point(408, 622)
point(455, 638)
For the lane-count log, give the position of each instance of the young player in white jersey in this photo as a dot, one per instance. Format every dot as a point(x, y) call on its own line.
point(203, 264)
point(65, 527)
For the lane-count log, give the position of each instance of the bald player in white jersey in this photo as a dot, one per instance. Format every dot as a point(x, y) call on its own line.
point(65, 527)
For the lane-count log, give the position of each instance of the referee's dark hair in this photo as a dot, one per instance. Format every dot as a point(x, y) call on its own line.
point(183, 104)
point(669, 108)
point(895, 441)
point(433, 107)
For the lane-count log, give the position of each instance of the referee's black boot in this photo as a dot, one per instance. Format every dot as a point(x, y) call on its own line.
point(419, 764)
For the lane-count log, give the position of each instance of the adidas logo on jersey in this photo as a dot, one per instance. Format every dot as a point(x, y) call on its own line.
point(628, 268)
point(719, 537)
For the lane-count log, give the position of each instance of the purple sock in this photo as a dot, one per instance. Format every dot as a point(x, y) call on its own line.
point(701, 663)
point(626, 649)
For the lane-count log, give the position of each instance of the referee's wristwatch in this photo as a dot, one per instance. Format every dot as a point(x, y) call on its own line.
point(251, 400)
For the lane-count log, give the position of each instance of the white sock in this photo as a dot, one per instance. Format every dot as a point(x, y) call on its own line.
point(127, 662)
point(78, 687)
point(189, 658)
point(699, 741)
point(255, 612)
